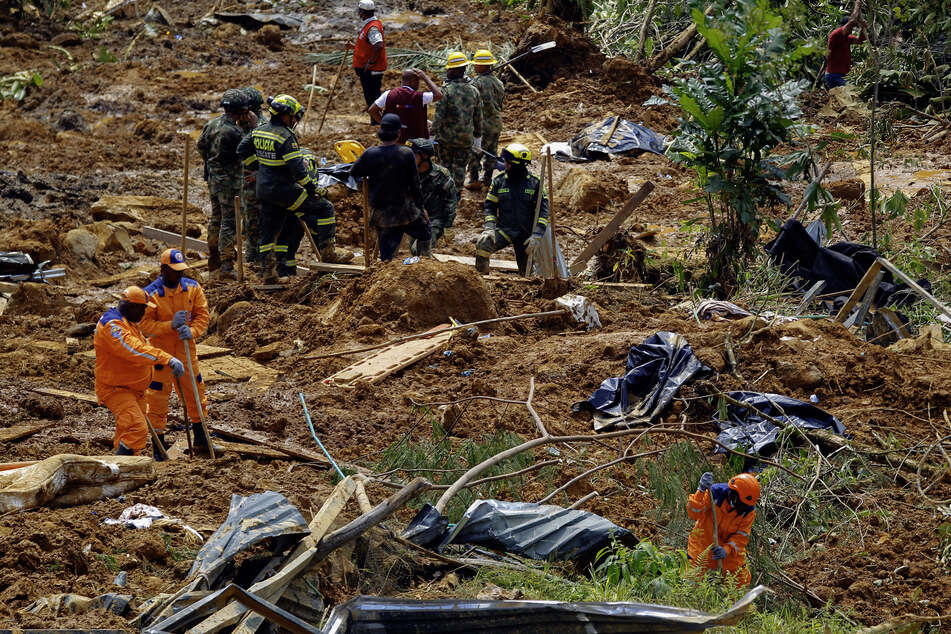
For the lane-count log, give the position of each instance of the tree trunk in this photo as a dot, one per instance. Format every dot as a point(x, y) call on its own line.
point(648, 16)
point(675, 45)
point(576, 12)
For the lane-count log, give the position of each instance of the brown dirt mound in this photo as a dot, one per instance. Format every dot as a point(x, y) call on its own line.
point(580, 190)
point(574, 53)
point(36, 299)
point(420, 295)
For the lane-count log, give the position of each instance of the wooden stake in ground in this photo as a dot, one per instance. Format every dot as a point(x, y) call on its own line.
point(238, 237)
point(310, 239)
point(366, 223)
point(185, 191)
point(188, 436)
point(333, 90)
point(599, 240)
point(551, 218)
point(313, 85)
point(156, 441)
point(716, 537)
point(201, 411)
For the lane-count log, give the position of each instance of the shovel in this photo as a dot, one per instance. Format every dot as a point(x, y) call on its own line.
point(188, 435)
point(201, 412)
point(716, 539)
point(538, 48)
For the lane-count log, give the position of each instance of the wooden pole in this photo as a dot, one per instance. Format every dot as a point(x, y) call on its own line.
point(366, 223)
point(185, 191)
point(333, 90)
point(156, 441)
point(313, 85)
point(716, 538)
point(188, 430)
point(201, 410)
point(518, 75)
point(238, 237)
point(310, 239)
point(551, 218)
point(538, 209)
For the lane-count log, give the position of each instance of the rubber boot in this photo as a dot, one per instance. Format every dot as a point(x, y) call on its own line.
point(156, 456)
point(227, 272)
point(424, 248)
point(482, 264)
point(474, 183)
point(330, 254)
point(124, 451)
point(283, 270)
point(214, 258)
point(200, 443)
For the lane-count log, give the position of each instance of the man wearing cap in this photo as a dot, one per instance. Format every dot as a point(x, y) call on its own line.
point(218, 146)
point(492, 91)
point(124, 366)
point(369, 53)
point(178, 313)
point(439, 191)
point(409, 104)
point(396, 201)
point(457, 124)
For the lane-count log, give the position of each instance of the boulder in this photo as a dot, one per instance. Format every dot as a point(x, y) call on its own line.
point(82, 244)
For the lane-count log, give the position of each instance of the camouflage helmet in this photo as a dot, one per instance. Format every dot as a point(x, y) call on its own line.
point(255, 98)
point(234, 101)
point(422, 146)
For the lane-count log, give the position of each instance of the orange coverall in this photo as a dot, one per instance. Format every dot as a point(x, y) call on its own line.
point(733, 532)
point(124, 362)
point(157, 324)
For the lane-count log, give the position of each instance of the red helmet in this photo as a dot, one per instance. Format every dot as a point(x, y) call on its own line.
point(747, 488)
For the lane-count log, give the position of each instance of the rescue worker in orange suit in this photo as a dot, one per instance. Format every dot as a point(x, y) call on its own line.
point(736, 509)
point(179, 314)
point(124, 366)
point(369, 53)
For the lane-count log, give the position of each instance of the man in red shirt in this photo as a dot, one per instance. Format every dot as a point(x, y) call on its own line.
point(839, 57)
point(409, 104)
point(369, 53)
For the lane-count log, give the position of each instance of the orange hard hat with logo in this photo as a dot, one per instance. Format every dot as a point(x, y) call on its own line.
point(174, 259)
point(747, 488)
point(136, 295)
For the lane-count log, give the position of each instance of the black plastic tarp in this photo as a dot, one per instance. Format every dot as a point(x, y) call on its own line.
point(16, 263)
point(250, 520)
point(537, 531)
point(840, 265)
point(629, 139)
point(747, 429)
point(656, 370)
point(339, 173)
point(365, 615)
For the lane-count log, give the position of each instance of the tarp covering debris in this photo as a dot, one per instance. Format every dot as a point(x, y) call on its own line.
point(656, 370)
point(67, 480)
point(339, 173)
point(840, 265)
point(60, 604)
point(250, 520)
point(747, 429)
point(629, 139)
point(537, 531)
point(364, 614)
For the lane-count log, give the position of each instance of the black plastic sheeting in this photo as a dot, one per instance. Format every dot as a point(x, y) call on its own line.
point(16, 263)
point(372, 615)
point(250, 520)
point(746, 429)
point(537, 531)
point(339, 173)
point(656, 370)
point(840, 265)
point(629, 139)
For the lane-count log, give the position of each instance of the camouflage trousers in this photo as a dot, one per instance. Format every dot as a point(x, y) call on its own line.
point(455, 159)
point(251, 212)
point(490, 143)
point(221, 227)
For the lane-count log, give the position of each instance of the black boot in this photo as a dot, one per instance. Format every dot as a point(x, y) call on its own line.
point(200, 444)
point(156, 456)
point(124, 451)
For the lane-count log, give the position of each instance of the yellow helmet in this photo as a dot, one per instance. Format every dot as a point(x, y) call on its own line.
point(285, 104)
point(457, 60)
point(484, 57)
point(516, 153)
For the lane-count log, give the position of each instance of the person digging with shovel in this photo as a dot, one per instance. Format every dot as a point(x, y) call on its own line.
point(724, 513)
point(124, 367)
point(178, 313)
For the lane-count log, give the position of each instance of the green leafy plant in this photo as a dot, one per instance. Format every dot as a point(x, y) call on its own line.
point(735, 113)
point(105, 56)
point(16, 86)
point(93, 29)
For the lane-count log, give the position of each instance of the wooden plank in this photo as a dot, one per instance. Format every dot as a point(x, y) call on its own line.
point(22, 431)
point(858, 318)
point(250, 450)
point(292, 452)
point(386, 361)
point(499, 265)
point(607, 135)
point(913, 285)
point(859, 291)
point(605, 234)
point(76, 396)
point(232, 369)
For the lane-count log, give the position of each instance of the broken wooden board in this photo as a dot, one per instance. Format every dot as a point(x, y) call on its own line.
point(612, 227)
point(291, 452)
point(22, 431)
point(231, 369)
point(392, 358)
point(499, 265)
point(76, 396)
point(204, 352)
point(250, 450)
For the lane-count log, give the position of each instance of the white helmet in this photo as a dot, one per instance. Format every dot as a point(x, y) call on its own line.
point(366, 5)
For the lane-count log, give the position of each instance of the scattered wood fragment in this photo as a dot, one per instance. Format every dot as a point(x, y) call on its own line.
point(500, 265)
point(18, 432)
point(292, 452)
point(76, 396)
point(612, 227)
point(390, 359)
point(859, 291)
point(913, 285)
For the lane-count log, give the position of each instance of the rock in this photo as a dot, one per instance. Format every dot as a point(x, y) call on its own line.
point(67, 39)
point(851, 189)
point(82, 244)
point(270, 36)
point(81, 330)
point(46, 408)
point(234, 313)
point(18, 40)
point(268, 352)
point(119, 240)
point(806, 377)
point(227, 32)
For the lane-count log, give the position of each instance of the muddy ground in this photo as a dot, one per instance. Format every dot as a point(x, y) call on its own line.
point(97, 129)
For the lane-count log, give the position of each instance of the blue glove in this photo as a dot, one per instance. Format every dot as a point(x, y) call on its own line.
point(718, 552)
point(184, 332)
point(179, 318)
point(178, 368)
point(706, 481)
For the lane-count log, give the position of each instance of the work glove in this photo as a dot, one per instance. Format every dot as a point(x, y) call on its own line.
point(706, 481)
point(184, 332)
point(477, 145)
point(532, 244)
point(487, 234)
point(311, 189)
point(719, 552)
point(178, 368)
point(179, 319)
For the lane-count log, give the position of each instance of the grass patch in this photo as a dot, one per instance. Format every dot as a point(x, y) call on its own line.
point(183, 553)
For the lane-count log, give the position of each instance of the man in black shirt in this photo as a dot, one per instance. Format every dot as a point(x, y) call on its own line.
point(396, 200)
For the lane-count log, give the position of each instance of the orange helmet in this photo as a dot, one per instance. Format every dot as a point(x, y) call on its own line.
point(136, 295)
point(747, 488)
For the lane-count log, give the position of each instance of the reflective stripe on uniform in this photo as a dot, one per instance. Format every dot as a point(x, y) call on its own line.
point(742, 533)
point(268, 135)
point(504, 235)
point(492, 198)
point(292, 155)
point(272, 162)
point(264, 248)
point(323, 222)
point(290, 263)
point(280, 248)
point(543, 222)
point(304, 180)
point(736, 548)
point(136, 352)
point(300, 200)
point(490, 218)
point(251, 159)
point(695, 510)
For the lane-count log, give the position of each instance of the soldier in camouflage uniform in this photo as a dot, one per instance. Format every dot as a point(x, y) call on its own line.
point(249, 202)
point(493, 94)
point(218, 146)
point(317, 213)
point(439, 191)
point(457, 124)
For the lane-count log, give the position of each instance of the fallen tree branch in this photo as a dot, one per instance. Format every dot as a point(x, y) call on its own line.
point(501, 476)
point(589, 472)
